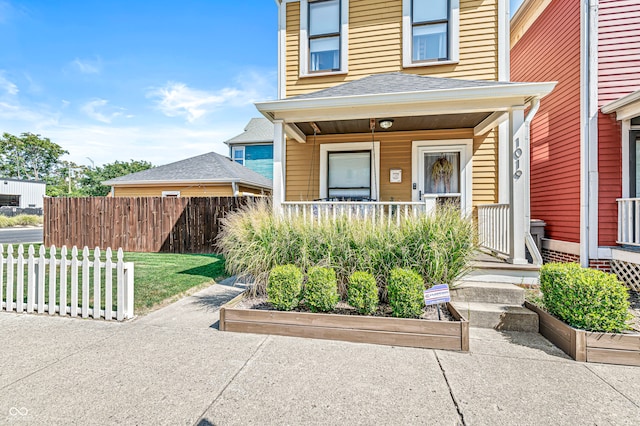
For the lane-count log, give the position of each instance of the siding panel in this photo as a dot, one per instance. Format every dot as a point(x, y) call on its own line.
point(375, 44)
point(303, 163)
point(619, 62)
point(550, 51)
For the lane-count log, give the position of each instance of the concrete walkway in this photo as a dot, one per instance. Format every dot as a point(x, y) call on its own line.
point(174, 367)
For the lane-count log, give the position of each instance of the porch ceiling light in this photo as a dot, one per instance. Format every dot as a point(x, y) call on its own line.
point(386, 124)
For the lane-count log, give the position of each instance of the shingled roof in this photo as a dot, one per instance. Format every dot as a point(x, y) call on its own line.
point(396, 82)
point(205, 168)
point(257, 130)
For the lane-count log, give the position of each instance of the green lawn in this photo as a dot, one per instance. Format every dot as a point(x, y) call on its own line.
point(159, 277)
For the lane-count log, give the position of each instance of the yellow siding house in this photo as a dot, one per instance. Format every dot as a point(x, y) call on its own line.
point(406, 102)
point(206, 175)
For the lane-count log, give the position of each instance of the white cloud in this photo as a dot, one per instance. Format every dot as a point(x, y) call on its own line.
point(7, 86)
point(179, 100)
point(157, 144)
point(99, 110)
point(87, 66)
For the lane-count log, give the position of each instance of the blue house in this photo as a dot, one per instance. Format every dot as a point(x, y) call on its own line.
point(254, 147)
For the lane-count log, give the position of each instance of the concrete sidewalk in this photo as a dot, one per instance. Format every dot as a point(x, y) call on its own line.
point(174, 367)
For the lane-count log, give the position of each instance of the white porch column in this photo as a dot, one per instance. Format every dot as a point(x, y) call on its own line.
point(279, 150)
point(518, 157)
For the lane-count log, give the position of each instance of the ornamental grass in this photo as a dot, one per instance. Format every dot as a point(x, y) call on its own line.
point(438, 246)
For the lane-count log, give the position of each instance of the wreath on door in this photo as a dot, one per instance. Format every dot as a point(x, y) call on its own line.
point(441, 171)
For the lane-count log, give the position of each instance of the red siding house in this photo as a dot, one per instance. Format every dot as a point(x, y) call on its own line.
point(585, 139)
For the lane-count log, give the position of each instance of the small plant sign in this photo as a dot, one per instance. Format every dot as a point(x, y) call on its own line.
point(437, 295)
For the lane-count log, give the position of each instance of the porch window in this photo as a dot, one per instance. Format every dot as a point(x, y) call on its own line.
point(442, 173)
point(349, 175)
point(324, 35)
point(430, 32)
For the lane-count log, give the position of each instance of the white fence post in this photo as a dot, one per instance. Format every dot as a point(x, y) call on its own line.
point(128, 280)
point(41, 273)
point(20, 280)
point(9, 292)
point(52, 280)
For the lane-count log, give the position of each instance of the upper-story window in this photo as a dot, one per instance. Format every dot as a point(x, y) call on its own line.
point(324, 35)
point(237, 153)
point(431, 31)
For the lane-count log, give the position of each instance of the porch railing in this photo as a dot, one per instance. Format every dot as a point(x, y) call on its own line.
point(493, 227)
point(377, 212)
point(629, 221)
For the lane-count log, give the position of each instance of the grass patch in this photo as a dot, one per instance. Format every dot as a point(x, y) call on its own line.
point(20, 220)
point(159, 277)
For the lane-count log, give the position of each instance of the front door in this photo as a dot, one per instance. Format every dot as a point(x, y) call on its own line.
point(443, 175)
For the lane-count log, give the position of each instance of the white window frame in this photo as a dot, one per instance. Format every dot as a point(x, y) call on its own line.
point(171, 193)
point(235, 149)
point(465, 148)
point(325, 148)
point(304, 40)
point(407, 37)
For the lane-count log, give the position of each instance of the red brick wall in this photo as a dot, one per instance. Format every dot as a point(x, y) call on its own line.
point(549, 256)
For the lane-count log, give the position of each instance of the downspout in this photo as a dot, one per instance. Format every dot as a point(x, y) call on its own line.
point(234, 187)
point(529, 242)
point(588, 133)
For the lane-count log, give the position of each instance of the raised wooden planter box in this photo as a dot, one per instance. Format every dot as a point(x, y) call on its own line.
point(587, 346)
point(451, 335)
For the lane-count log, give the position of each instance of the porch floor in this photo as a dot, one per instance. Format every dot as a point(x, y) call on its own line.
point(484, 260)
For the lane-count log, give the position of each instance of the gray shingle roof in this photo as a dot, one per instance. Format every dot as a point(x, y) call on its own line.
point(202, 168)
point(396, 82)
point(258, 130)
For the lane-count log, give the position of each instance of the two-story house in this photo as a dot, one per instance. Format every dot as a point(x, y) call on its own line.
point(402, 104)
point(585, 167)
point(253, 148)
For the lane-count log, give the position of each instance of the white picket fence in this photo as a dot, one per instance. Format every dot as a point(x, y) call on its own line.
point(59, 285)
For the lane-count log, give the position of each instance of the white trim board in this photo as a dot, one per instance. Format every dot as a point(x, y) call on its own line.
point(561, 246)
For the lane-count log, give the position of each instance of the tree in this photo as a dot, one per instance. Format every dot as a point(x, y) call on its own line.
point(91, 183)
point(28, 156)
point(65, 180)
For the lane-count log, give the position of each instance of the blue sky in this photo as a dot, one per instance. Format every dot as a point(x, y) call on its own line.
point(147, 80)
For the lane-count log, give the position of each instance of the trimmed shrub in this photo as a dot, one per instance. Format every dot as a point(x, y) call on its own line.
point(284, 287)
point(439, 246)
point(584, 298)
point(406, 293)
point(321, 290)
point(362, 292)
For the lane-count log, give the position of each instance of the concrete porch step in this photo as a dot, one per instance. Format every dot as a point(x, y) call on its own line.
point(499, 317)
point(505, 276)
point(488, 292)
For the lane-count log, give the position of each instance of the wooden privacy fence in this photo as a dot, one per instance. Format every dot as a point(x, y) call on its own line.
point(139, 224)
point(56, 284)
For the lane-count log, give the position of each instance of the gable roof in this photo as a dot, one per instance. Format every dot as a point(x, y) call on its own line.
point(205, 168)
point(257, 130)
point(396, 82)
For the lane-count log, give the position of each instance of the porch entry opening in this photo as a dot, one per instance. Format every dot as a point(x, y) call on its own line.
point(349, 175)
point(441, 176)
